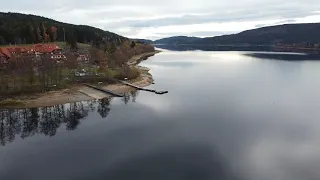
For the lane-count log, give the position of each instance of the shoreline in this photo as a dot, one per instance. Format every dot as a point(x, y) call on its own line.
point(79, 92)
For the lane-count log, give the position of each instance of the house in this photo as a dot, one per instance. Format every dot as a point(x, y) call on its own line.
point(37, 49)
point(40, 48)
point(54, 51)
point(33, 52)
point(46, 48)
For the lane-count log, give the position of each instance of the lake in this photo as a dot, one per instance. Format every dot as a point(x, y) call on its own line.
point(227, 116)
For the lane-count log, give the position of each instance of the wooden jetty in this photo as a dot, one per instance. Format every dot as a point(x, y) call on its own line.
point(161, 92)
point(137, 87)
point(103, 90)
point(143, 89)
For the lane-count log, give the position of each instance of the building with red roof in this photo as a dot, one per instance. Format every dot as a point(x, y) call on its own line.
point(36, 50)
point(8, 52)
point(42, 48)
point(45, 48)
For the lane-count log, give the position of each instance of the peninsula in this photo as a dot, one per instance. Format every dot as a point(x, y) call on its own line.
point(44, 62)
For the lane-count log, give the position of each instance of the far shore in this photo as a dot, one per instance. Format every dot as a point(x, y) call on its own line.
point(80, 92)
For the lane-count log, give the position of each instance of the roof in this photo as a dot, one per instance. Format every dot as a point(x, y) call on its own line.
point(5, 52)
point(45, 48)
point(17, 49)
point(40, 48)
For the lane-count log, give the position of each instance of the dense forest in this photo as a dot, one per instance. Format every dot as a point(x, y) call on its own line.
point(16, 28)
point(285, 34)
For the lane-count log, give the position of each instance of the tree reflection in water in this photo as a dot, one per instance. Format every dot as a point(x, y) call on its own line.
point(134, 95)
point(127, 96)
point(30, 122)
point(76, 112)
point(47, 120)
point(104, 107)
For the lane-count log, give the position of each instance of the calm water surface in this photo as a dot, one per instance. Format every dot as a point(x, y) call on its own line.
point(227, 116)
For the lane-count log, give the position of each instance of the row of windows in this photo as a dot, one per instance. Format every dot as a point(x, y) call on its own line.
point(58, 57)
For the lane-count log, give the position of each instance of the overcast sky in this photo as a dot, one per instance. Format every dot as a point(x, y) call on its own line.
point(162, 18)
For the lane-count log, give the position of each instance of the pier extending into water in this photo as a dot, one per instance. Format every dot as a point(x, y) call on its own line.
point(104, 90)
point(143, 89)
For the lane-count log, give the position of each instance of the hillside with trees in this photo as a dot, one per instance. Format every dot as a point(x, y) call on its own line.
point(16, 28)
point(285, 34)
point(177, 40)
point(25, 72)
point(146, 41)
point(272, 35)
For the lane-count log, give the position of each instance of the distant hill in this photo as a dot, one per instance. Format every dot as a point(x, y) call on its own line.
point(177, 40)
point(16, 28)
point(285, 34)
point(146, 41)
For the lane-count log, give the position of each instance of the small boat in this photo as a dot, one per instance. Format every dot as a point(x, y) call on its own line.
point(161, 92)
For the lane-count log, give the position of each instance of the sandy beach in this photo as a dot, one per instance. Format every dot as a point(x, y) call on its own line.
point(83, 93)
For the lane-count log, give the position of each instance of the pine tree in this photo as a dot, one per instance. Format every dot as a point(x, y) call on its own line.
point(32, 34)
point(38, 32)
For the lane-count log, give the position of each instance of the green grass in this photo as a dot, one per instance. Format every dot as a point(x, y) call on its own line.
point(112, 72)
point(11, 102)
point(60, 44)
point(5, 46)
point(63, 45)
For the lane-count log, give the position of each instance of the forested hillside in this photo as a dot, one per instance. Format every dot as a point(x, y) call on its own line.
point(16, 28)
point(177, 40)
point(285, 34)
point(146, 41)
point(272, 35)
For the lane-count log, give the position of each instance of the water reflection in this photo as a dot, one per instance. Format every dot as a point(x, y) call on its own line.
point(134, 95)
point(213, 47)
point(104, 107)
point(250, 119)
point(285, 56)
point(130, 95)
point(47, 120)
point(126, 98)
point(190, 161)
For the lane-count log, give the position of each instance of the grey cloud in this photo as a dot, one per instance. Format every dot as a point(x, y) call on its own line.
point(114, 15)
point(220, 17)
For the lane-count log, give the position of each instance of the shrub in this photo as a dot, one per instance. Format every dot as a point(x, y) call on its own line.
point(129, 72)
